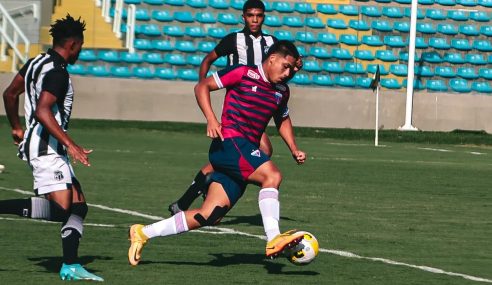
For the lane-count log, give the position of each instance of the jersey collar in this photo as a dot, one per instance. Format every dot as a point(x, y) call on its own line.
point(247, 32)
point(56, 56)
point(262, 73)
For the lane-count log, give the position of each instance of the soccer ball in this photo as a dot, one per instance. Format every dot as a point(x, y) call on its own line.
point(305, 251)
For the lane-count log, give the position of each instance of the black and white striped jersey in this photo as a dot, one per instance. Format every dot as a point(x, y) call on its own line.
point(45, 72)
point(243, 48)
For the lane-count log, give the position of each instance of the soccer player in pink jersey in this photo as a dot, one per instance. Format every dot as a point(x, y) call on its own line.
point(255, 94)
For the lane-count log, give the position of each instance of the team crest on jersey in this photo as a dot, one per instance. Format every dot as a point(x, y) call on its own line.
point(256, 153)
point(58, 175)
point(281, 87)
point(278, 97)
point(253, 74)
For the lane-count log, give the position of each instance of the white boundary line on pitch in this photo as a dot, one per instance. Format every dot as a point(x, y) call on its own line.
point(219, 230)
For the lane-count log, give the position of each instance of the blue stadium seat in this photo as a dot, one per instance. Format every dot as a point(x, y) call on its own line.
point(425, 2)
point(165, 73)
point(87, 55)
point(205, 18)
point(305, 37)
point(332, 67)
point(417, 84)
point(301, 79)
point(174, 2)
point(394, 41)
point(304, 8)
point(174, 59)
point(436, 85)
point(292, 21)
point(435, 14)
point(407, 12)
point(469, 30)
point(162, 45)
point(485, 73)
point(399, 69)
point(341, 53)
point(337, 24)
point(98, 70)
point(457, 15)
point(282, 7)
point(373, 41)
point(370, 11)
point(423, 71)
point(228, 19)
point(142, 44)
point(314, 23)
point(444, 71)
point(386, 55)
point(354, 68)
point(406, 2)
point(311, 66)
point(173, 31)
point(426, 28)
point(216, 32)
point(108, 56)
point(284, 35)
point(459, 85)
point(183, 16)
point(364, 54)
point(485, 3)
point(482, 86)
point(454, 58)
point(130, 57)
point(206, 46)
point(402, 27)
point(432, 57)
point(136, 2)
point(476, 59)
point(461, 44)
point(381, 26)
point(162, 16)
point(195, 32)
point(327, 38)
point(302, 50)
point(467, 3)
point(77, 69)
point(185, 46)
point(268, 6)
point(419, 43)
point(218, 4)
point(372, 67)
point(349, 10)
point(327, 9)
point(479, 16)
point(221, 62)
point(392, 12)
point(349, 39)
point(359, 25)
point(237, 4)
point(194, 59)
point(363, 82)
point(121, 71)
point(383, 1)
point(142, 72)
point(153, 58)
point(467, 73)
point(490, 58)
point(154, 2)
point(345, 81)
point(272, 21)
point(446, 2)
point(322, 80)
point(447, 29)
point(439, 43)
point(197, 4)
point(188, 74)
point(142, 14)
point(150, 30)
point(486, 30)
point(405, 56)
point(390, 83)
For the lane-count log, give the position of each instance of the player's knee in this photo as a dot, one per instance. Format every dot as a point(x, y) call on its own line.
point(273, 179)
point(58, 213)
point(80, 209)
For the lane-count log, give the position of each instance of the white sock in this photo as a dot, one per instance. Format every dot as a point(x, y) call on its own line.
point(270, 211)
point(172, 226)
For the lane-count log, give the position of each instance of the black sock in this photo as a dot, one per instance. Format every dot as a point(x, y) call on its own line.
point(70, 244)
point(19, 207)
point(195, 189)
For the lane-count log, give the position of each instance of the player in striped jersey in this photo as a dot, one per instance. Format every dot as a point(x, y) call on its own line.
point(255, 94)
point(45, 144)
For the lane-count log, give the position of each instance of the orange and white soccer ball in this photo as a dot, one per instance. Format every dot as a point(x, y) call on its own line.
point(305, 252)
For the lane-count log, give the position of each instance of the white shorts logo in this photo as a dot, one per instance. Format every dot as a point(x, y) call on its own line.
point(58, 175)
point(256, 153)
point(253, 74)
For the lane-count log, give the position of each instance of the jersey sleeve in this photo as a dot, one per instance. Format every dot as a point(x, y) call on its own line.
point(23, 70)
point(55, 81)
point(226, 45)
point(229, 76)
point(283, 109)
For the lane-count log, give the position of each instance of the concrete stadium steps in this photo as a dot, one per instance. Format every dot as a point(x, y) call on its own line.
point(6, 66)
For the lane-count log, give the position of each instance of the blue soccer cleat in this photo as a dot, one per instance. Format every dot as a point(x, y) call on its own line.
point(77, 272)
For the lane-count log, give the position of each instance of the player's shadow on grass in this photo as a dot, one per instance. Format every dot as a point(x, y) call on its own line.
point(228, 259)
point(52, 264)
point(254, 220)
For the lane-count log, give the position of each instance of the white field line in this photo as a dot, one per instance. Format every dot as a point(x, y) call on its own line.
point(435, 149)
point(219, 230)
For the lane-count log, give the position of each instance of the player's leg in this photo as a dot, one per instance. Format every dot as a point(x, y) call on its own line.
point(266, 145)
point(197, 187)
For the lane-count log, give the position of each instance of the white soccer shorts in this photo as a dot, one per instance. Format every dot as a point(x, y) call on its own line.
point(51, 173)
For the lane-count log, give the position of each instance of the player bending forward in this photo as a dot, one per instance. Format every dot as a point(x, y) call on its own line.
point(254, 95)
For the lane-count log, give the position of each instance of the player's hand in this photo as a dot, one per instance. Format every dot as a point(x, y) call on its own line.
point(299, 156)
point(214, 130)
point(79, 154)
point(18, 136)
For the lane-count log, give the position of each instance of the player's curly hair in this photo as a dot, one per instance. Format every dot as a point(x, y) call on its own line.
point(283, 48)
point(252, 4)
point(66, 28)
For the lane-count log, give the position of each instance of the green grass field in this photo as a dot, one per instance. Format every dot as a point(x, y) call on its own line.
point(422, 200)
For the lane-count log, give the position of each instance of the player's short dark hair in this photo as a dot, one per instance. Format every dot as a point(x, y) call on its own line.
point(66, 28)
point(283, 48)
point(251, 4)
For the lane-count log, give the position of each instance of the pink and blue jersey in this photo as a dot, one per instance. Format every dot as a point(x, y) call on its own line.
point(250, 101)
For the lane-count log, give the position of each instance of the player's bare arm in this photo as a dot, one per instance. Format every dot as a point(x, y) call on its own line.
point(45, 117)
point(202, 94)
point(11, 103)
point(286, 131)
point(209, 59)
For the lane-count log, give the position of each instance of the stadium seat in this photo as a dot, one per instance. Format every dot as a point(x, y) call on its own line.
point(130, 57)
point(332, 67)
point(185, 46)
point(108, 56)
point(467, 3)
point(399, 69)
point(216, 32)
point(194, 59)
point(121, 71)
point(284, 35)
point(426, 28)
point(305, 37)
point(476, 59)
point(482, 86)
point(188, 74)
point(237, 4)
point(136, 2)
point(302, 50)
point(372, 67)
point(150, 30)
point(381, 26)
point(301, 79)
point(337, 24)
point(407, 12)
point(405, 2)
point(153, 58)
point(154, 2)
point(341, 53)
point(183, 16)
point(402, 27)
point(98, 70)
point(419, 43)
point(431, 57)
point(77, 69)
point(174, 59)
point(373, 41)
point(304, 8)
point(162, 16)
point(319, 52)
point(327, 9)
point(485, 3)
point(322, 80)
point(359, 25)
point(435, 85)
point(87, 55)
point(459, 85)
point(142, 14)
point(165, 73)
point(174, 2)
point(482, 45)
point(327, 38)
point(292, 21)
point(447, 29)
point(423, 71)
point(205, 18)
point(364, 54)
point(221, 62)
point(206, 46)
point(268, 6)
point(314, 23)
point(142, 44)
point(386, 55)
point(218, 4)
point(394, 41)
point(198, 4)
point(311, 66)
point(444, 71)
point(282, 7)
point(425, 2)
point(446, 2)
point(195, 32)
point(454, 58)
point(390, 83)
point(467, 73)
point(349, 10)
point(173, 31)
point(485, 73)
point(162, 45)
point(404, 56)
point(439, 43)
point(486, 30)
point(392, 12)
point(417, 84)
point(228, 19)
point(345, 81)
point(363, 82)
point(272, 21)
point(461, 44)
point(457, 15)
point(354, 68)
point(383, 1)
point(469, 30)
point(349, 39)
point(435, 14)
point(370, 11)
point(479, 16)
point(490, 58)
point(142, 72)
